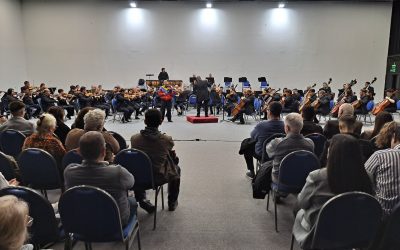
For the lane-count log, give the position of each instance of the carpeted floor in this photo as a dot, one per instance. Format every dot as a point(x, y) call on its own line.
point(216, 209)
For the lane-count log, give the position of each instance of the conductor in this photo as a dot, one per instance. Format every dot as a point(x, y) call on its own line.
point(200, 88)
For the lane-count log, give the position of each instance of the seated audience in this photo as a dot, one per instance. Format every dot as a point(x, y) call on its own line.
point(17, 121)
point(384, 167)
point(384, 138)
point(94, 121)
point(62, 129)
point(309, 126)
point(79, 123)
point(15, 219)
point(44, 138)
point(332, 126)
point(4, 183)
point(159, 148)
point(381, 119)
point(253, 147)
point(344, 172)
point(278, 148)
point(94, 171)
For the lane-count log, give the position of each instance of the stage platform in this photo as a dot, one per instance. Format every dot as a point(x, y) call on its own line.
point(202, 119)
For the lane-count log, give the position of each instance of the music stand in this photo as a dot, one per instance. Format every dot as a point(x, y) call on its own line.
point(149, 75)
point(210, 80)
point(242, 80)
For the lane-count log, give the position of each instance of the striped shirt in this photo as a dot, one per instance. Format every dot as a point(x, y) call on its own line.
point(384, 166)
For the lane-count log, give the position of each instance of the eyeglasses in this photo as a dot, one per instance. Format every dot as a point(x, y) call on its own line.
point(30, 221)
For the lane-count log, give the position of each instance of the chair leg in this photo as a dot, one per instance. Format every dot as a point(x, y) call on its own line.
point(268, 201)
point(162, 197)
point(68, 242)
point(155, 212)
point(276, 212)
point(291, 244)
point(138, 240)
point(44, 192)
point(87, 246)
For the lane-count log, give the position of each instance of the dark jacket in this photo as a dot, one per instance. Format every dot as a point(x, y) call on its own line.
point(201, 91)
point(47, 102)
point(324, 107)
point(309, 127)
point(62, 131)
point(332, 128)
point(163, 76)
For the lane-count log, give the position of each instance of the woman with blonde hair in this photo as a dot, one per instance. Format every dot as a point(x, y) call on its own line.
point(44, 138)
point(14, 221)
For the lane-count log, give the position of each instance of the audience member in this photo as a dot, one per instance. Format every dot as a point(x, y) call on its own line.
point(381, 119)
point(384, 167)
point(4, 183)
point(14, 217)
point(309, 126)
point(44, 138)
point(17, 121)
point(159, 148)
point(94, 121)
point(252, 147)
point(94, 171)
point(344, 172)
point(278, 148)
point(384, 138)
point(332, 126)
point(79, 123)
point(62, 129)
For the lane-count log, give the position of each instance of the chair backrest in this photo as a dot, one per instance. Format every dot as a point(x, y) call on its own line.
point(331, 104)
point(257, 104)
point(91, 214)
point(246, 84)
point(348, 220)
point(192, 100)
point(121, 140)
point(390, 239)
point(138, 164)
point(44, 228)
point(71, 156)
point(398, 105)
point(295, 168)
point(39, 169)
point(11, 142)
point(264, 156)
point(371, 104)
point(263, 85)
point(319, 143)
point(114, 103)
point(6, 168)
point(228, 84)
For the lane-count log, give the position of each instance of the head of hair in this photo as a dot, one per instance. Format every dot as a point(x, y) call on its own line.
point(92, 145)
point(79, 123)
point(162, 69)
point(16, 108)
point(60, 90)
point(58, 113)
point(46, 123)
point(308, 113)
point(94, 120)
point(384, 137)
point(83, 88)
point(10, 91)
point(396, 134)
point(381, 119)
point(294, 122)
point(26, 82)
point(346, 109)
point(72, 87)
point(345, 166)
point(13, 217)
point(347, 122)
point(275, 108)
point(152, 118)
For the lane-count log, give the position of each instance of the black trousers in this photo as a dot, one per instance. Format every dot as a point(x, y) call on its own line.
point(127, 112)
point(104, 107)
point(33, 110)
point(166, 105)
point(173, 189)
point(70, 110)
point(250, 153)
point(204, 104)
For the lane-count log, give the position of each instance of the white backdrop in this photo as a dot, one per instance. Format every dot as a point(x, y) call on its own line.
point(70, 42)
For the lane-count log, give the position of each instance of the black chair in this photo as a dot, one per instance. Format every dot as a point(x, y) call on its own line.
point(90, 214)
point(264, 156)
point(121, 140)
point(319, 143)
point(44, 231)
point(139, 165)
point(293, 173)
point(388, 235)
point(39, 170)
point(71, 156)
point(6, 167)
point(347, 221)
point(11, 142)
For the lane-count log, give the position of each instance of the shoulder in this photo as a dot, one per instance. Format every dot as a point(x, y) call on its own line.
point(318, 175)
point(76, 131)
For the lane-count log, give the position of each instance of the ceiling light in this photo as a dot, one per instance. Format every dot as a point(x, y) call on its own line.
point(132, 4)
point(209, 5)
point(281, 5)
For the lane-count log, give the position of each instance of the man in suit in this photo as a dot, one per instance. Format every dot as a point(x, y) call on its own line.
point(324, 103)
point(46, 100)
point(332, 126)
point(17, 121)
point(200, 88)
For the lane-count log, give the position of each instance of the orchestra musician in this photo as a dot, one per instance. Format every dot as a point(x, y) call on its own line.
point(326, 88)
point(180, 99)
point(361, 106)
point(289, 103)
point(83, 97)
point(200, 89)
point(46, 100)
point(122, 104)
point(98, 101)
point(391, 96)
point(370, 89)
point(32, 109)
point(322, 103)
point(73, 91)
point(216, 99)
point(349, 97)
point(166, 94)
point(231, 100)
point(64, 101)
point(248, 107)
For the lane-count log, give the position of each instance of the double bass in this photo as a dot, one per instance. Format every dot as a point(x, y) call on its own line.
point(269, 100)
point(317, 103)
point(335, 109)
point(382, 105)
point(307, 101)
point(357, 104)
point(239, 106)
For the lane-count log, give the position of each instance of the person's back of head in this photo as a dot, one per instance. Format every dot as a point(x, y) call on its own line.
point(79, 122)
point(153, 118)
point(58, 113)
point(92, 146)
point(346, 172)
point(381, 119)
point(14, 219)
point(17, 108)
point(94, 120)
point(46, 123)
point(293, 123)
point(346, 109)
point(384, 137)
point(308, 113)
point(275, 109)
point(347, 124)
point(396, 137)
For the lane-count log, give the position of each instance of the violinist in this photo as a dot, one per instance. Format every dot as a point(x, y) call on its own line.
point(181, 97)
point(98, 101)
point(296, 95)
point(322, 103)
point(32, 109)
point(122, 104)
point(391, 97)
point(166, 94)
point(231, 100)
point(216, 98)
point(134, 96)
point(360, 106)
point(248, 107)
point(84, 98)
point(289, 103)
point(47, 100)
point(64, 100)
point(73, 91)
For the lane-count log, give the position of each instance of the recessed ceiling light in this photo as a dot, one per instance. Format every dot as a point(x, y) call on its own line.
point(132, 4)
point(281, 5)
point(209, 5)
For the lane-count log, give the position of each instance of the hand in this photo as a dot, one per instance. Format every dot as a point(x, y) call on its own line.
point(13, 182)
point(3, 119)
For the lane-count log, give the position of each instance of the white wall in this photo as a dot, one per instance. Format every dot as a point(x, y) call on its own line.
point(71, 42)
point(12, 50)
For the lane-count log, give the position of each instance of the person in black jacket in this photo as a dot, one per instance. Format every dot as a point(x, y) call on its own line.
point(309, 126)
point(123, 105)
point(364, 99)
point(32, 109)
point(324, 103)
point(248, 107)
point(163, 75)
point(46, 101)
point(200, 89)
point(83, 100)
point(62, 129)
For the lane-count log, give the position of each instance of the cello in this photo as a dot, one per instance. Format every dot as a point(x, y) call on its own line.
point(239, 106)
point(383, 104)
point(307, 101)
point(357, 104)
point(335, 109)
point(269, 100)
point(315, 104)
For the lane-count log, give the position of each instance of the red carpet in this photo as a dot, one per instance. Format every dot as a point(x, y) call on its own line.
point(201, 119)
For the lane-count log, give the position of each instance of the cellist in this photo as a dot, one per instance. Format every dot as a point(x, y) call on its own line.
point(289, 103)
point(231, 100)
point(248, 106)
point(360, 106)
point(322, 103)
point(391, 97)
